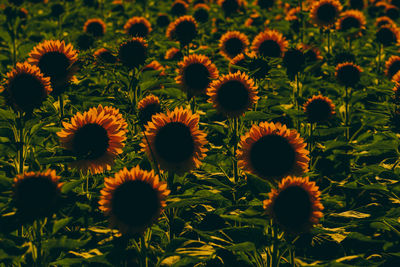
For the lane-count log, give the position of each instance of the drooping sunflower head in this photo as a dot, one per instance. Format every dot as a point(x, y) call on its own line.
point(183, 30)
point(233, 94)
point(384, 21)
point(325, 12)
point(348, 73)
point(269, 43)
point(388, 35)
point(133, 52)
point(173, 54)
point(195, 74)
point(392, 66)
point(233, 43)
point(95, 27)
point(179, 8)
point(351, 20)
point(294, 61)
point(25, 87)
point(95, 137)
point(55, 59)
point(147, 107)
point(133, 199)
point(311, 53)
point(104, 55)
point(295, 204)
point(36, 194)
point(201, 12)
point(272, 151)
point(138, 26)
point(319, 109)
point(175, 141)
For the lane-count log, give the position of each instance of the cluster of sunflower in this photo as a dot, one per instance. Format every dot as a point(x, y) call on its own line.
point(219, 86)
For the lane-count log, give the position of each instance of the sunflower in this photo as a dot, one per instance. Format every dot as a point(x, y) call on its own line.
point(319, 109)
point(239, 61)
point(392, 12)
point(311, 53)
point(195, 74)
point(357, 4)
point(233, 94)
point(137, 26)
point(133, 52)
point(295, 205)
point(294, 61)
point(396, 93)
point(147, 107)
point(388, 35)
point(133, 199)
point(183, 30)
point(269, 43)
point(55, 59)
point(392, 66)
point(95, 27)
point(154, 65)
point(104, 55)
point(348, 73)
point(233, 43)
point(173, 54)
point(271, 150)
point(36, 194)
point(201, 12)
point(162, 20)
point(96, 137)
point(179, 8)
point(396, 77)
point(351, 19)
point(384, 21)
point(325, 12)
point(25, 87)
point(175, 140)
point(231, 6)
point(265, 4)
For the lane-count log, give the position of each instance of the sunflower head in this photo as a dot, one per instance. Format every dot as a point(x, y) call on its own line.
point(95, 27)
point(319, 109)
point(392, 66)
point(201, 12)
point(264, 4)
point(173, 54)
point(295, 204)
point(351, 20)
point(272, 151)
point(384, 21)
point(55, 59)
point(183, 30)
point(25, 87)
point(233, 43)
point(348, 73)
point(231, 6)
point(311, 53)
point(147, 107)
point(162, 20)
point(396, 77)
point(36, 194)
point(396, 93)
point(195, 74)
point(325, 12)
point(269, 43)
point(133, 199)
point(133, 52)
point(357, 4)
point(179, 8)
point(175, 141)
point(104, 55)
point(388, 35)
point(392, 12)
point(95, 137)
point(294, 61)
point(233, 94)
point(137, 26)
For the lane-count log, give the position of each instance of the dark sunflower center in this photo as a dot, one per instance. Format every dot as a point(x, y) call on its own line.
point(318, 110)
point(294, 60)
point(107, 57)
point(185, 32)
point(162, 20)
point(259, 67)
point(174, 142)
point(178, 9)
point(132, 54)
point(233, 96)
point(230, 6)
point(386, 36)
point(272, 156)
point(357, 4)
point(201, 15)
point(35, 197)
point(148, 111)
point(293, 207)
point(394, 68)
point(265, 3)
point(348, 75)
point(54, 65)
point(91, 141)
point(350, 23)
point(26, 91)
point(196, 77)
point(326, 12)
point(234, 46)
point(135, 203)
point(95, 29)
point(270, 48)
point(138, 29)
point(393, 13)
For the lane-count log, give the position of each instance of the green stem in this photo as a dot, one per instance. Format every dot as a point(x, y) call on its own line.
point(347, 113)
point(21, 143)
point(329, 41)
point(274, 261)
point(235, 147)
point(14, 45)
point(38, 244)
point(143, 250)
point(292, 257)
point(61, 102)
point(153, 158)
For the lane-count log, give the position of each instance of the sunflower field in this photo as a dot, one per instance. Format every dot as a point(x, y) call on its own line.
point(200, 133)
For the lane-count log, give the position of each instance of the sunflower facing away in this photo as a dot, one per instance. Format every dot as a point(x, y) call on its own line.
point(183, 30)
point(350, 20)
point(133, 199)
point(36, 194)
point(195, 74)
point(25, 87)
point(179, 8)
point(388, 35)
point(175, 140)
point(95, 27)
point(137, 26)
point(392, 66)
point(147, 107)
point(319, 109)
point(269, 43)
point(95, 137)
point(133, 52)
point(55, 59)
point(233, 43)
point(325, 12)
point(272, 151)
point(348, 73)
point(233, 94)
point(295, 205)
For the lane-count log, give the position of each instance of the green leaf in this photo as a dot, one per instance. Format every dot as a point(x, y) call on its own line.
point(58, 224)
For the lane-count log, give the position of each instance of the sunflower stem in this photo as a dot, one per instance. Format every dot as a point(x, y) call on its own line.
point(275, 252)
point(311, 141)
point(38, 243)
point(20, 138)
point(292, 257)
point(347, 111)
point(14, 44)
point(235, 147)
point(379, 58)
point(61, 102)
point(151, 151)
